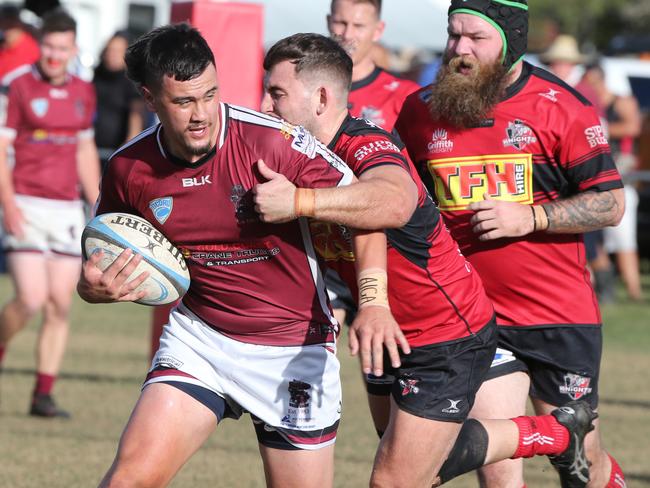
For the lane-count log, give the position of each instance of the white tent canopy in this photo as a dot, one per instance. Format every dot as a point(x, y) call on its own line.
point(409, 23)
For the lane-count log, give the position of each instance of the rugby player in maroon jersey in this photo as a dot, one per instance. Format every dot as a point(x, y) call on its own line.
point(254, 333)
point(434, 294)
point(520, 168)
point(48, 119)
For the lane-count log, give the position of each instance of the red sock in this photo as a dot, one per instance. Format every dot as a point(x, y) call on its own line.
point(2, 353)
point(44, 384)
point(616, 478)
point(540, 435)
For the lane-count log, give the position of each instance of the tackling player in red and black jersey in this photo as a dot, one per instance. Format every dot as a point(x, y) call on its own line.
point(520, 167)
point(375, 94)
point(434, 294)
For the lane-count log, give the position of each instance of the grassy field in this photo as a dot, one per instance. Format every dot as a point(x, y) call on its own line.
point(107, 359)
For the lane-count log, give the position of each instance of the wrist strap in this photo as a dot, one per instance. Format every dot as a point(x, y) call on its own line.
point(304, 204)
point(373, 288)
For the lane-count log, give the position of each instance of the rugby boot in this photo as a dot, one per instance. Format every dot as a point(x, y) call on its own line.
point(45, 406)
point(572, 465)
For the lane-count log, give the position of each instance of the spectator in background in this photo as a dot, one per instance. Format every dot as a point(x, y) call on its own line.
point(119, 105)
point(17, 45)
point(624, 126)
point(49, 123)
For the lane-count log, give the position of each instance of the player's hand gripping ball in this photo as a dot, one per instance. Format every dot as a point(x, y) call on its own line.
point(168, 278)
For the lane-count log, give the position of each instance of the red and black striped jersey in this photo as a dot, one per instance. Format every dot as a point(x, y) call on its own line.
point(379, 97)
point(433, 292)
point(255, 282)
point(543, 142)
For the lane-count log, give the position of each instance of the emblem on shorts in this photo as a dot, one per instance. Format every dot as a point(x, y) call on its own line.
point(299, 411)
point(453, 406)
point(40, 106)
point(575, 385)
point(167, 361)
point(298, 395)
point(408, 385)
point(162, 208)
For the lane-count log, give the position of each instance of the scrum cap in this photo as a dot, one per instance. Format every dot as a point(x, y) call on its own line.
point(509, 17)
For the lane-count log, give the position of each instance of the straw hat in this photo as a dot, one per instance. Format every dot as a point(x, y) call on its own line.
point(564, 48)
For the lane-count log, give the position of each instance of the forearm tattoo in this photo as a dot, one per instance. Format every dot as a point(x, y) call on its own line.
point(582, 213)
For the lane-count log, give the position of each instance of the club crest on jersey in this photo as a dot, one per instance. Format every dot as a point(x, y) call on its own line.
point(519, 135)
point(299, 410)
point(304, 142)
point(40, 106)
point(439, 142)
point(373, 114)
point(162, 208)
point(575, 385)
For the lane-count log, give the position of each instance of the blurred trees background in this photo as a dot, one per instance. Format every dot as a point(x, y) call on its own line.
point(608, 26)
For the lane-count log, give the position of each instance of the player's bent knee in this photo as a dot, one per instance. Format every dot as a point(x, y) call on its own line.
point(468, 452)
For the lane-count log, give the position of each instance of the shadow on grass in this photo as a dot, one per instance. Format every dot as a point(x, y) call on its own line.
point(93, 378)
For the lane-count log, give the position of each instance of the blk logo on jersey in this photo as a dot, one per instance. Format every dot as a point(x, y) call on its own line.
point(162, 208)
point(203, 180)
point(39, 106)
point(575, 385)
point(519, 135)
point(439, 142)
point(461, 181)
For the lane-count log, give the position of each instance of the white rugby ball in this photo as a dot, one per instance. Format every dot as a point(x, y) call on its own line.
point(168, 278)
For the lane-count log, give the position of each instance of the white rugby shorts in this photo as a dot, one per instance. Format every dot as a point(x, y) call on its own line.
point(51, 226)
point(623, 236)
point(295, 390)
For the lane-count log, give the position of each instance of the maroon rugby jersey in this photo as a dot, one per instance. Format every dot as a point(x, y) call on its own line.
point(379, 97)
point(45, 122)
point(434, 293)
point(542, 143)
point(255, 282)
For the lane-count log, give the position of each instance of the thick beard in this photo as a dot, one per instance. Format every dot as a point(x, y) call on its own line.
point(464, 100)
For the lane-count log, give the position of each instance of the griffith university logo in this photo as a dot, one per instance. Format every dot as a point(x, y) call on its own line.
point(519, 135)
point(439, 142)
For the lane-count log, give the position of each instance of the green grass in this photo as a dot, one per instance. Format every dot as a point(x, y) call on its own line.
point(107, 359)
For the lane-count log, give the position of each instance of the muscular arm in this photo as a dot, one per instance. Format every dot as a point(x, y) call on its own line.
point(585, 212)
point(88, 168)
point(384, 197)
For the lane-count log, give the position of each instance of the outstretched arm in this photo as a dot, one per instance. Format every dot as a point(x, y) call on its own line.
point(384, 197)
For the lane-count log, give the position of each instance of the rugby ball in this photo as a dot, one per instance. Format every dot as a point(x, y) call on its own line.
point(168, 278)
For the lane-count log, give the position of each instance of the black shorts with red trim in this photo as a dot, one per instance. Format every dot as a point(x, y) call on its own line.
point(440, 381)
point(563, 362)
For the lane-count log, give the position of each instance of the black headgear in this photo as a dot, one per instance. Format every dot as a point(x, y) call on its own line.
point(509, 17)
